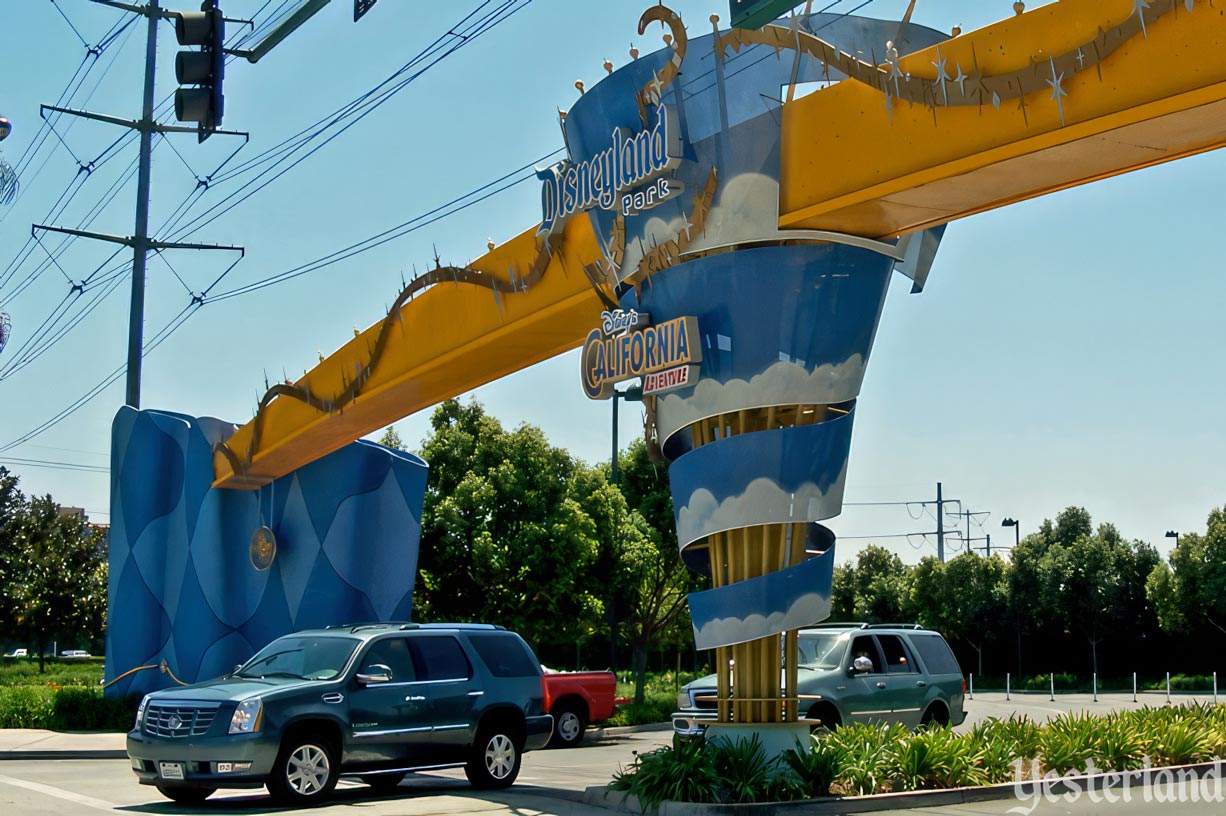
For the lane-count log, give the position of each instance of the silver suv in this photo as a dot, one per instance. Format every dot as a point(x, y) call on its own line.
point(858, 672)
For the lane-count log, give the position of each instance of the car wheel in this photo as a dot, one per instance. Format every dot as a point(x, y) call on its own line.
point(384, 782)
point(829, 716)
point(305, 771)
point(935, 714)
point(186, 796)
point(494, 759)
point(569, 725)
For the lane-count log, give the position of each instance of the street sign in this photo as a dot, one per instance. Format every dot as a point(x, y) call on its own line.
point(757, 13)
point(360, 7)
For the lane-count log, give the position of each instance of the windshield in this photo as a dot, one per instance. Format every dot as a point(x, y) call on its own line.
point(822, 650)
point(305, 658)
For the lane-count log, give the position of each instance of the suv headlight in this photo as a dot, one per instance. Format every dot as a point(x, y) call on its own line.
point(140, 713)
point(246, 719)
point(683, 700)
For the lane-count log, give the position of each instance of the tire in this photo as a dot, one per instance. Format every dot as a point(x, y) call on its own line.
point(494, 759)
point(186, 796)
point(935, 714)
point(384, 783)
point(305, 772)
point(570, 722)
point(829, 716)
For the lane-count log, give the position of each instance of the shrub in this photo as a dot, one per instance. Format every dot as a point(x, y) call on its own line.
point(656, 708)
point(818, 768)
point(683, 772)
point(86, 709)
point(26, 706)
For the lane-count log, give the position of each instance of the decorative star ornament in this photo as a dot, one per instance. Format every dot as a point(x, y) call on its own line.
point(961, 79)
point(1081, 59)
point(1139, 7)
point(1057, 90)
point(1189, 4)
point(942, 76)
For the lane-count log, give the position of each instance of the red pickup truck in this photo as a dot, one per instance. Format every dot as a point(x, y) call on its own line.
point(576, 699)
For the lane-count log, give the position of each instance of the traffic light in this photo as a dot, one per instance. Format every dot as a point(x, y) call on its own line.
point(202, 71)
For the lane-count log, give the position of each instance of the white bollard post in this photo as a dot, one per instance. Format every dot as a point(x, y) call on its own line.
point(1134, 687)
point(1215, 688)
point(1007, 678)
point(1168, 687)
point(1053, 687)
point(1095, 686)
point(972, 688)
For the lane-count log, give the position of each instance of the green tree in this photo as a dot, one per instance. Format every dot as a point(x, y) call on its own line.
point(391, 439)
point(653, 580)
point(975, 600)
point(54, 571)
point(1090, 582)
point(504, 538)
point(880, 583)
point(1190, 593)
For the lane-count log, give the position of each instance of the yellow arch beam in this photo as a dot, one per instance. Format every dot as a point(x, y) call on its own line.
point(879, 173)
point(449, 339)
point(849, 164)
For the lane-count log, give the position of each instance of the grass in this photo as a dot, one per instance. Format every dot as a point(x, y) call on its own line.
point(67, 696)
point(659, 698)
point(24, 672)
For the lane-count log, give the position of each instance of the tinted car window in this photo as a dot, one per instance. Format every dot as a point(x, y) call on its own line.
point(504, 655)
point(439, 658)
point(864, 646)
point(935, 653)
point(822, 651)
point(393, 653)
point(896, 661)
point(317, 658)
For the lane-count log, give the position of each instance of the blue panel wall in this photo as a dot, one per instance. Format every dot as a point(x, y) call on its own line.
point(183, 588)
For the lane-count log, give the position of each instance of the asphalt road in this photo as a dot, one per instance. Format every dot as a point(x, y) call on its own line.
point(550, 784)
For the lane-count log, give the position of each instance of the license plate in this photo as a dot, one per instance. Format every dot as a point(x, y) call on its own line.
point(170, 770)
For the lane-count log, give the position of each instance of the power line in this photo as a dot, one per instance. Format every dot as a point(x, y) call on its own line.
point(415, 223)
point(41, 463)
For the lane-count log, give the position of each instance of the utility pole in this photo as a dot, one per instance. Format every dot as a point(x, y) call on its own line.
point(987, 547)
point(940, 526)
point(140, 238)
point(140, 242)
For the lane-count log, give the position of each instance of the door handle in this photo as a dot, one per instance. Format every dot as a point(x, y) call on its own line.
point(333, 697)
point(881, 685)
point(414, 699)
point(920, 683)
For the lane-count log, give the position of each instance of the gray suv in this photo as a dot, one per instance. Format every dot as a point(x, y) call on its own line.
point(371, 700)
point(857, 672)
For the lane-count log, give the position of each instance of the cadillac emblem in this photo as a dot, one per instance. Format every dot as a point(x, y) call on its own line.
point(263, 549)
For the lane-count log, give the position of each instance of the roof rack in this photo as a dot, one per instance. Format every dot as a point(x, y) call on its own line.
point(894, 626)
point(839, 625)
point(483, 627)
point(353, 627)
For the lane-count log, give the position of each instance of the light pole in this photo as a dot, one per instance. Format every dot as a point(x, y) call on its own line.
point(632, 394)
point(1017, 536)
point(1174, 535)
point(1017, 539)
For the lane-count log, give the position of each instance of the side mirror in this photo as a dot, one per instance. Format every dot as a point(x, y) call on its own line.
point(378, 673)
point(862, 665)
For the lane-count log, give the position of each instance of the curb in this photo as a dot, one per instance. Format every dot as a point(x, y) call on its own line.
point(46, 755)
point(601, 796)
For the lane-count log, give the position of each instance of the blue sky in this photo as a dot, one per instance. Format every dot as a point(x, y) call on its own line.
point(1067, 350)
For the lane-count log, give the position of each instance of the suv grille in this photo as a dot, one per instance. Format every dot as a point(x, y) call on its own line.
point(704, 699)
point(179, 721)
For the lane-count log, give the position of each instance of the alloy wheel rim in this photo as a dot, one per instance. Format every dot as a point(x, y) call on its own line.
point(308, 770)
point(568, 726)
point(499, 756)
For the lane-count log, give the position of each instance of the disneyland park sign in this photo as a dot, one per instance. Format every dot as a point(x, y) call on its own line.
point(609, 178)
